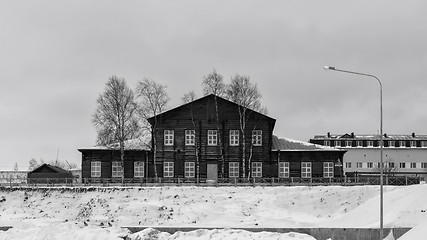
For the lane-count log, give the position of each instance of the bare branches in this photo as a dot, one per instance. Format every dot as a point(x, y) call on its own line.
point(188, 97)
point(115, 115)
point(213, 84)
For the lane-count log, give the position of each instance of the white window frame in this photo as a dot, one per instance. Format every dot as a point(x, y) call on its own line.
point(337, 143)
point(284, 170)
point(257, 137)
point(348, 165)
point(189, 169)
point(402, 165)
point(348, 143)
point(359, 143)
point(234, 137)
point(168, 169)
point(370, 143)
point(95, 169)
point(190, 137)
point(413, 165)
point(116, 169)
point(328, 169)
point(369, 165)
point(212, 137)
point(138, 169)
point(413, 144)
point(233, 169)
point(391, 144)
point(168, 137)
point(305, 169)
point(402, 144)
point(327, 143)
point(256, 169)
point(359, 165)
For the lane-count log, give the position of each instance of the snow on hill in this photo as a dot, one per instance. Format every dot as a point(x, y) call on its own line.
point(93, 212)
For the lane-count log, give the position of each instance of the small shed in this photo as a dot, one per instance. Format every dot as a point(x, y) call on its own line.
point(47, 173)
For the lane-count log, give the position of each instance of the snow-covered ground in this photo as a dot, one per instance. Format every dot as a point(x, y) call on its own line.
point(99, 213)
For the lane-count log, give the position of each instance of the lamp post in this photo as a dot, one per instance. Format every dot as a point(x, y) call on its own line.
point(381, 141)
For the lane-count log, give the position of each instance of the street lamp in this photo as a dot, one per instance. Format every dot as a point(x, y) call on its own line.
point(381, 141)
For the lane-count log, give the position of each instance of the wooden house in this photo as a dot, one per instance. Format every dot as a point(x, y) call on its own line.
point(47, 173)
point(204, 140)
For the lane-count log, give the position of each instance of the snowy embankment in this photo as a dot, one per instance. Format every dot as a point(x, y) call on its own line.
point(99, 212)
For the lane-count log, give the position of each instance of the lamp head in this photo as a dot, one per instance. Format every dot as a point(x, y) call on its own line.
point(329, 68)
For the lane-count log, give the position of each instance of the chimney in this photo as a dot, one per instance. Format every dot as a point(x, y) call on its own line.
point(385, 135)
point(413, 135)
point(352, 135)
point(329, 134)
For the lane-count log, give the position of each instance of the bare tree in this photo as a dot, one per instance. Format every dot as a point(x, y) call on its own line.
point(248, 97)
point(33, 164)
point(213, 84)
point(152, 100)
point(115, 117)
point(188, 97)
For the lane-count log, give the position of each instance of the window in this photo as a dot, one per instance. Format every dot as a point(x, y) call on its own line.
point(328, 169)
point(413, 165)
point(348, 165)
point(306, 169)
point(168, 169)
point(233, 169)
point(117, 169)
point(391, 164)
point(359, 143)
point(168, 137)
point(423, 143)
point(423, 165)
point(189, 170)
point(370, 165)
point(257, 137)
point(348, 143)
point(190, 137)
point(327, 143)
point(234, 137)
point(95, 169)
point(402, 165)
point(256, 169)
point(337, 143)
point(359, 165)
point(402, 144)
point(212, 138)
point(413, 144)
point(138, 169)
point(370, 143)
point(284, 169)
point(391, 143)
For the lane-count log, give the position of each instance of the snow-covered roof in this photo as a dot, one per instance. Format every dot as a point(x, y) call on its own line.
point(412, 136)
point(286, 144)
point(132, 144)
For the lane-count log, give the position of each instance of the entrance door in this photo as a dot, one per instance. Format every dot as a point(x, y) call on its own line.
point(212, 172)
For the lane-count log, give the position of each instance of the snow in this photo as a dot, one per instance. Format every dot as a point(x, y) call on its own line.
point(100, 213)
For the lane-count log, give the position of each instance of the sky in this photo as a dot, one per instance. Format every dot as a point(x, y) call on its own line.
point(56, 56)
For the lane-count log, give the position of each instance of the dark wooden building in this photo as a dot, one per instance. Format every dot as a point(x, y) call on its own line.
point(204, 139)
point(47, 173)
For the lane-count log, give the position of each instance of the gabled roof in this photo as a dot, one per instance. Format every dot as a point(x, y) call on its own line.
point(286, 144)
point(206, 98)
point(53, 168)
point(371, 137)
point(138, 144)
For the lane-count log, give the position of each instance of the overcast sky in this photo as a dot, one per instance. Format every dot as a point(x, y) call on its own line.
point(56, 56)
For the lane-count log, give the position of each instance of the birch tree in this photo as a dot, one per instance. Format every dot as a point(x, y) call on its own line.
point(213, 84)
point(248, 97)
point(152, 99)
point(115, 116)
point(188, 97)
